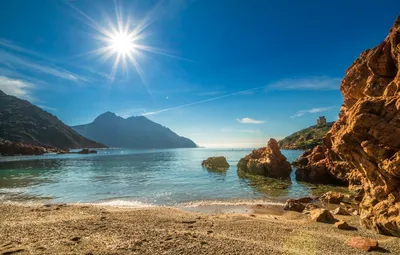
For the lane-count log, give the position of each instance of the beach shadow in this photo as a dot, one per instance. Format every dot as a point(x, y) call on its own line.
point(381, 250)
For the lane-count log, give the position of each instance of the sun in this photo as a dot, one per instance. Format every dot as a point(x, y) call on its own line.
point(122, 43)
point(124, 40)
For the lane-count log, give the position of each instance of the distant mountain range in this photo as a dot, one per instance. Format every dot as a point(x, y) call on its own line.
point(133, 132)
point(21, 121)
point(306, 138)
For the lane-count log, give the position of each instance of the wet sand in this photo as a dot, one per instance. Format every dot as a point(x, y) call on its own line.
point(81, 229)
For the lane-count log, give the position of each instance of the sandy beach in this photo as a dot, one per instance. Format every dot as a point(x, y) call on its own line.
point(89, 229)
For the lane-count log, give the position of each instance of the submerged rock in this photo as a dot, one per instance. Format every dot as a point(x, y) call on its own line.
point(267, 161)
point(363, 146)
point(216, 163)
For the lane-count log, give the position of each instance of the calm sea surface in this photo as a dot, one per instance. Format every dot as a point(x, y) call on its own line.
point(139, 178)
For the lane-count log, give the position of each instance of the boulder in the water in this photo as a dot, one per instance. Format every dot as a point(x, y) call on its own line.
point(87, 151)
point(215, 163)
point(267, 161)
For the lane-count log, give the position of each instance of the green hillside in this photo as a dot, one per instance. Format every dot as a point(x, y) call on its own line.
point(306, 138)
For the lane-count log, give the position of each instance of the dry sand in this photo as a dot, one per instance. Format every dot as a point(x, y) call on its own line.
point(77, 229)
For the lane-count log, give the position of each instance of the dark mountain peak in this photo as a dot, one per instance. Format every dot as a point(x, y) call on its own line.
point(26, 123)
point(132, 132)
point(107, 116)
point(137, 117)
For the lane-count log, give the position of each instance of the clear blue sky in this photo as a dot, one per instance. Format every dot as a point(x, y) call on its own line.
point(287, 57)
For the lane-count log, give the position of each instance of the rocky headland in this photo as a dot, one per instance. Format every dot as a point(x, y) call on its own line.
point(305, 139)
point(267, 161)
point(8, 148)
point(23, 122)
point(363, 146)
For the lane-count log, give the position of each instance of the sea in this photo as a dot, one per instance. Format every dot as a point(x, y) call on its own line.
point(142, 178)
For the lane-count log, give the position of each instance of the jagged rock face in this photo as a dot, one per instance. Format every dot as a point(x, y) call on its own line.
point(316, 167)
point(367, 134)
point(267, 161)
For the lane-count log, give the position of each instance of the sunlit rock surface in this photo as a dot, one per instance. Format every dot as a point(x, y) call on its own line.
point(267, 161)
point(363, 146)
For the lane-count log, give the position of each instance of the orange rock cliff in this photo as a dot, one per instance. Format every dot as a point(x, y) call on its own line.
point(363, 146)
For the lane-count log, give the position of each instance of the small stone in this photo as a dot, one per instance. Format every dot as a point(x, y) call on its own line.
point(75, 239)
point(293, 205)
point(322, 215)
point(12, 251)
point(362, 243)
point(350, 209)
point(340, 211)
point(343, 225)
point(332, 197)
point(311, 206)
point(189, 221)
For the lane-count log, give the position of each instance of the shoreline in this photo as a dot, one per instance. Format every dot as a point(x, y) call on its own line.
point(197, 206)
point(100, 229)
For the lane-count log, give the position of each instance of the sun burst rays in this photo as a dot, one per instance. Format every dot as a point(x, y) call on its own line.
point(122, 40)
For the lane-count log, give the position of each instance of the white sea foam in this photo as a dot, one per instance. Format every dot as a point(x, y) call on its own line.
point(229, 203)
point(122, 203)
point(23, 203)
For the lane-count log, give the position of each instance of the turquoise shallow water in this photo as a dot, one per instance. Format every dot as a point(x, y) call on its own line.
point(139, 178)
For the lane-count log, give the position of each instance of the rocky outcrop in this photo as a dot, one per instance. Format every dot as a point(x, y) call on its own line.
point(8, 148)
point(267, 161)
point(314, 166)
point(215, 163)
point(87, 151)
point(364, 144)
